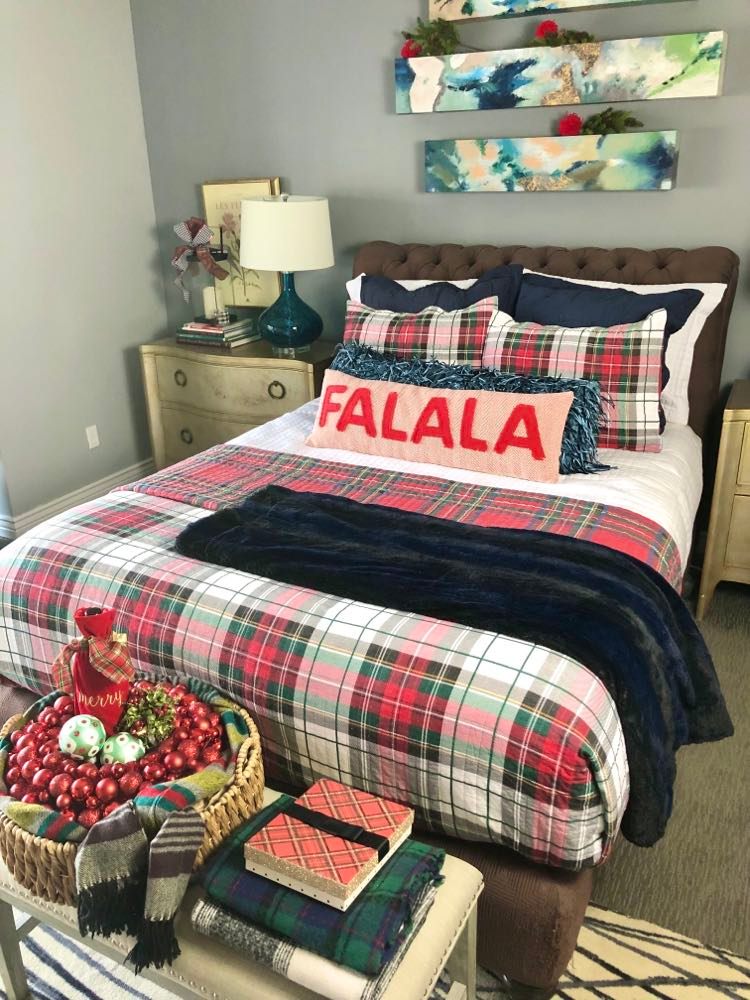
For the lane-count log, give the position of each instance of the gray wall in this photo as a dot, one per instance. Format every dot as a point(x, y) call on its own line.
point(79, 285)
point(302, 88)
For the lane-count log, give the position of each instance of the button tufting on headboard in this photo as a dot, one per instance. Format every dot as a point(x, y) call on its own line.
point(627, 264)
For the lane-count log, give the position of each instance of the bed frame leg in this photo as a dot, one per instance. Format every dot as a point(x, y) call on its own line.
point(518, 991)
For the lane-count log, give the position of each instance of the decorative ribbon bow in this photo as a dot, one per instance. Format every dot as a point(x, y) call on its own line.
point(196, 235)
point(109, 657)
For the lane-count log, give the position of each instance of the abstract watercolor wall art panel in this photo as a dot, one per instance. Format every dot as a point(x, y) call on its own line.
point(627, 69)
point(633, 161)
point(470, 10)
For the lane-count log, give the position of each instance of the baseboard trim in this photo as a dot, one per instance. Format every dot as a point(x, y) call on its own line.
point(92, 491)
point(7, 528)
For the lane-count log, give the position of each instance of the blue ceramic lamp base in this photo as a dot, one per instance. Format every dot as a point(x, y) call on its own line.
point(289, 325)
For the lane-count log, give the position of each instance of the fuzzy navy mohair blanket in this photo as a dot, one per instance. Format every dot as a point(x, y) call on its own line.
point(605, 609)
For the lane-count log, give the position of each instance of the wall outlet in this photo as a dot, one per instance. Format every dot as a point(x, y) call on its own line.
point(92, 436)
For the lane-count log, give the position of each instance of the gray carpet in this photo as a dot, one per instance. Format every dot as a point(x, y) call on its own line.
point(696, 881)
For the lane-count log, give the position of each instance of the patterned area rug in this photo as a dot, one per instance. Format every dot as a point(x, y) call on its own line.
point(617, 958)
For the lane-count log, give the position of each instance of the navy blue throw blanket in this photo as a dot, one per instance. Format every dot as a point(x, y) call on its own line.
point(610, 612)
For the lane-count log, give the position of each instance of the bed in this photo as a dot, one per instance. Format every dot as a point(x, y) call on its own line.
point(287, 652)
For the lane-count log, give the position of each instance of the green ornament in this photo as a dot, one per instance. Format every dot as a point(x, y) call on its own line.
point(122, 748)
point(82, 737)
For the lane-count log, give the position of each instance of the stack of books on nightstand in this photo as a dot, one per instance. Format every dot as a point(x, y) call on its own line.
point(239, 331)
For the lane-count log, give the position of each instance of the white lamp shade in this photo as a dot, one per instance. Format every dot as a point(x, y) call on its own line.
point(286, 233)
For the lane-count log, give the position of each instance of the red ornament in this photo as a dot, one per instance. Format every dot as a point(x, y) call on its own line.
point(174, 761)
point(68, 815)
point(42, 778)
point(91, 802)
point(60, 784)
point(188, 747)
point(43, 796)
point(53, 760)
point(12, 775)
point(88, 817)
point(15, 736)
point(118, 770)
point(81, 789)
point(110, 808)
point(29, 769)
point(198, 710)
point(177, 691)
point(25, 741)
point(210, 755)
point(70, 767)
point(26, 752)
point(410, 49)
point(153, 772)
point(87, 770)
point(180, 733)
point(63, 704)
point(107, 790)
point(18, 790)
point(31, 798)
point(545, 28)
point(571, 124)
point(129, 784)
point(63, 801)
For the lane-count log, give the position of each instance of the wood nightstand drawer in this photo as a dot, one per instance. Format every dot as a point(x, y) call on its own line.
point(262, 392)
point(738, 539)
point(186, 432)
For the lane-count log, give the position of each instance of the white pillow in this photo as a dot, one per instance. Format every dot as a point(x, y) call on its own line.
point(354, 287)
point(681, 345)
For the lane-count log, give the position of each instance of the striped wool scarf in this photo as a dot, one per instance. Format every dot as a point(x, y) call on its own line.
point(126, 885)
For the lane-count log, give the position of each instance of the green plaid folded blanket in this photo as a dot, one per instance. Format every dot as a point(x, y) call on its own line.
point(365, 937)
point(132, 867)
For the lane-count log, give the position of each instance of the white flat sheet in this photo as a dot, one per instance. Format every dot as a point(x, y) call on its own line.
point(665, 487)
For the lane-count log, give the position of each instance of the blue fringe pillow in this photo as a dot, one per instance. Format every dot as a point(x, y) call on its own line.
point(578, 452)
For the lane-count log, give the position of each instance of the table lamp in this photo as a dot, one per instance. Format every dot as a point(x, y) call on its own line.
point(287, 233)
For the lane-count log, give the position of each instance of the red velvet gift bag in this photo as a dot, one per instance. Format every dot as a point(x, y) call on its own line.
point(98, 666)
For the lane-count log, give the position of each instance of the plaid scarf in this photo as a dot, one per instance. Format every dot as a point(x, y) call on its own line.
point(365, 937)
point(125, 884)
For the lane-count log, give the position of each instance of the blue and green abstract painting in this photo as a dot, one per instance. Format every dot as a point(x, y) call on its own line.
point(465, 10)
point(626, 69)
point(632, 161)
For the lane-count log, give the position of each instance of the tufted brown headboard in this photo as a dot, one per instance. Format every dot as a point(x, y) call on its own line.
point(643, 267)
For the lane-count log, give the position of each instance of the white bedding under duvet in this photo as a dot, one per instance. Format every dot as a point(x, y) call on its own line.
point(664, 486)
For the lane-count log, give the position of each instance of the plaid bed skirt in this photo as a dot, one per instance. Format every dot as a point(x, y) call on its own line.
point(488, 738)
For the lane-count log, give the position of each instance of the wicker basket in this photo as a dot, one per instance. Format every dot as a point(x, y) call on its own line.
point(47, 868)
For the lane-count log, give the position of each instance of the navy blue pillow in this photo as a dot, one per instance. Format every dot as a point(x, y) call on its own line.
point(578, 451)
point(384, 293)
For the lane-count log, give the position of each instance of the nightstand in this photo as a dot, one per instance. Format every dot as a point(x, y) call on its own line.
point(728, 547)
point(197, 397)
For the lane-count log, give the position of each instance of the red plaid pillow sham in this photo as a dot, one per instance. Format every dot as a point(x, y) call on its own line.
point(625, 360)
point(455, 338)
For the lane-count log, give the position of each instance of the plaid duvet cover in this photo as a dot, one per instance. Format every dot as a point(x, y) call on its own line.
point(487, 737)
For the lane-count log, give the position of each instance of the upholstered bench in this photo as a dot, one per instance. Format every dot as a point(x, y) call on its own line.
point(207, 968)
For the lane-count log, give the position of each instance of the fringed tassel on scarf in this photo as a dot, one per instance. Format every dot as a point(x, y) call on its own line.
point(170, 864)
point(114, 907)
point(156, 945)
point(110, 874)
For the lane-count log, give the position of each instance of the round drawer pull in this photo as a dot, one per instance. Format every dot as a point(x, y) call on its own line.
point(186, 435)
point(180, 378)
point(276, 390)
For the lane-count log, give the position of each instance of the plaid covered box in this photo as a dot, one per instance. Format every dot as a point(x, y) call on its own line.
point(625, 360)
point(455, 338)
point(488, 738)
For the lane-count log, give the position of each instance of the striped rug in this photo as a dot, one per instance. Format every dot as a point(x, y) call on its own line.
point(617, 959)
